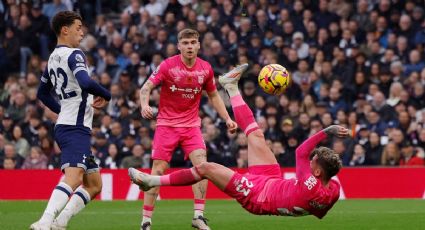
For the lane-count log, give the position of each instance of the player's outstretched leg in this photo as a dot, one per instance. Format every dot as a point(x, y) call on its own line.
point(258, 152)
point(243, 114)
point(181, 177)
point(216, 173)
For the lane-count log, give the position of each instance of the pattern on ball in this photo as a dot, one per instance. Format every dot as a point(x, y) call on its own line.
point(274, 79)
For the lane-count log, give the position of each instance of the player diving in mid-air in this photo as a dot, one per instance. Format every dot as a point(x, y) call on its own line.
point(67, 74)
point(262, 190)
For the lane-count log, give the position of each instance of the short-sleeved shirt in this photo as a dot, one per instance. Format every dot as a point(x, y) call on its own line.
point(181, 91)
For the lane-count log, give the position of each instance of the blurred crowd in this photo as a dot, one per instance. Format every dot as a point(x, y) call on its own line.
point(359, 64)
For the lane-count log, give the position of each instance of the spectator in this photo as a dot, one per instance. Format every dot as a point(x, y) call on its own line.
point(416, 63)
point(336, 102)
point(128, 144)
point(101, 144)
point(390, 155)
point(135, 160)
point(11, 46)
point(35, 160)
point(17, 106)
point(280, 154)
point(373, 149)
point(113, 160)
point(299, 45)
point(323, 17)
point(55, 158)
point(242, 158)
point(6, 127)
point(9, 163)
point(21, 144)
point(50, 9)
point(409, 156)
point(359, 156)
point(10, 152)
point(40, 25)
point(375, 123)
point(386, 112)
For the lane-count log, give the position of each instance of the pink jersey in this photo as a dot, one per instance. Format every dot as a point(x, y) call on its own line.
point(270, 194)
point(181, 91)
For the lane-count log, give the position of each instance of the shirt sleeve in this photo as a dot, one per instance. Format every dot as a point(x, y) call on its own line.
point(43, 93)
point(210, 83)
point(77, 62)
point(159, 74)
point(303, 153)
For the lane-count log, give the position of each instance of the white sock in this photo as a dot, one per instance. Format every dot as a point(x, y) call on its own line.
point(57, 201)
point(198, 213)
point(154, 180)
point(146, 219)
point(232, 89)
point(77, 202)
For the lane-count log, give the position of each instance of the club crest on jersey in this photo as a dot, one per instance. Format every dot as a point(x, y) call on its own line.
point(201, 79)
point(189, 79)
point(79, 58)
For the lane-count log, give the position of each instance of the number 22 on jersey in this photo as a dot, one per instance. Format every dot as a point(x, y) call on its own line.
point(244, 186)
point(60, 83)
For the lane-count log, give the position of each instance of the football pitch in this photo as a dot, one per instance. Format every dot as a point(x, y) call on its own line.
point(224, 214)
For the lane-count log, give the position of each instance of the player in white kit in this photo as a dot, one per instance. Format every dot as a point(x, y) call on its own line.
point(67, 75)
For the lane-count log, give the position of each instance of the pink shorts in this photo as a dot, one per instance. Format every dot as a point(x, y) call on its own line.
point(167, 139)
point(246, 188)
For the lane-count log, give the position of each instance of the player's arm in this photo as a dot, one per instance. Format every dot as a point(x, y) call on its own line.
point(43, 93)
point(303, 151)
point(76, 62)
point(219, 106)
point(217, 101)
point(154, 80)
point(145, 93)
point(92, 87)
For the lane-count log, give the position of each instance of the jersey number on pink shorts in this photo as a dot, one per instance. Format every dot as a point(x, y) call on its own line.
point(244, 186)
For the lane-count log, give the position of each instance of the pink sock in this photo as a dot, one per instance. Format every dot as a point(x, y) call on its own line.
point(148, 211)
point(243, 115)
point(199, 205)
point(181, 177)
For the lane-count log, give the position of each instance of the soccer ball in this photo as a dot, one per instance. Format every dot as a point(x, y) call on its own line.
point(274, 79)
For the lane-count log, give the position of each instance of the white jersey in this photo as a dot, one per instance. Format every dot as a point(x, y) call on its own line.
point(63, 65)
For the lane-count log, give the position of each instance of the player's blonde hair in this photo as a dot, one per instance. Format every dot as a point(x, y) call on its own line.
point(328, 160)
point(188, 33)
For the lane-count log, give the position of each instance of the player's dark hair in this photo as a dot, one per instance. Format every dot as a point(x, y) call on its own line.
point(188, 33)
point(64, 18)
point(328, 161)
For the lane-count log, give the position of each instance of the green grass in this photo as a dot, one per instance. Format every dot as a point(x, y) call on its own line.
point(225, 214)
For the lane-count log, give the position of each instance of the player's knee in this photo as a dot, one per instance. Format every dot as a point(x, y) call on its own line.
point(204, 168)
point(74, 183)
point(97, 187)
point(258, 133)
point(159, 167)
point(197, 157)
